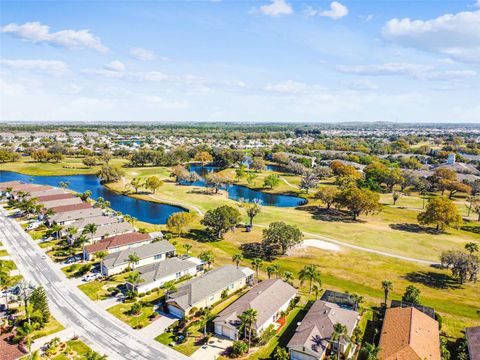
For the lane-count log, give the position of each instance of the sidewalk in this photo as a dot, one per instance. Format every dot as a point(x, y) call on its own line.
point(158, 326)
point(63, 335)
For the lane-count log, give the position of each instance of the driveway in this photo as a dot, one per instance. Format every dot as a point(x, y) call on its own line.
point(213, 349)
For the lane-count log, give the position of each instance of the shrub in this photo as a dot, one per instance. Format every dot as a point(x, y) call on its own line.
point(136, 309)
point(239, 348)
point(141, 294)
point(148, 292)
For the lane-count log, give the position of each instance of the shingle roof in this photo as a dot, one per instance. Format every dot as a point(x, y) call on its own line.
point(473, 340)
point(117, 241)
point(51, 191)
point(266, 298)
point(7, 184)
point(143, 252)
point(97, 220)
point(109, 229)
point(75, 215)
point(204, 286)
point(62, 202)
point(409, 334)
point(314, 332)
point(67, 208)
point(170, 266)
point(29, 188)
point(53, 197)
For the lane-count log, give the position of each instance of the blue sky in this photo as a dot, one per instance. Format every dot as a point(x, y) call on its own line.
point(273, 60)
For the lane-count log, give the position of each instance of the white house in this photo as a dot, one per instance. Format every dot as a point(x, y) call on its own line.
point(270, 298)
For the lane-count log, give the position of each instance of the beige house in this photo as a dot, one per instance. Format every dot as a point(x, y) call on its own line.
point(207, 289)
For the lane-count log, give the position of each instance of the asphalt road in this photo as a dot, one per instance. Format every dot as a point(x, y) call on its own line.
point(71, 307)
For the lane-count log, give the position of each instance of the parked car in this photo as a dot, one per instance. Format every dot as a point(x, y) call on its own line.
point(70, 260)
point(91, 277)
point(34, 225)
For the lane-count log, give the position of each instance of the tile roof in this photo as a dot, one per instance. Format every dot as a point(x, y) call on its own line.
point(266, 298)
point(143, 252)
point(67, 208)
point(409, 334)
point(314, 332)
point(473, 340)
point(117, 241)
point(209, 283)
point(7, 184)
point(53, 197)
point(51, 191)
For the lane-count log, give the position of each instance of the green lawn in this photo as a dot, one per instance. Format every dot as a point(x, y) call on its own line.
point(76, 349)
point(3, 253)
point(52, 327)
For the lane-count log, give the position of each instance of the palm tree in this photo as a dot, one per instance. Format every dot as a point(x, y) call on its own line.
point(85, 195)
point(71, 231)
point(310, 273)
point(56, 229)
point(270, 270)
point(357, 300)
point(288, 277)
point(387, 286)
point(64, 184)
point(257, 263)
point(90, 229)
point(316, 290)
point(471, 247)
point(370, 351)
point(248, 318)
point(276, 271)
point(134, 278)
point(187, 247)
point(93, 355)
point(132, 260)
point(206, 317)
point(339, 333)
point(237, 258)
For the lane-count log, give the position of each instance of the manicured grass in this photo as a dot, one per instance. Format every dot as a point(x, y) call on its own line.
point(76, 349)
point(3, 253)
point(52, 327)
point(97, 290)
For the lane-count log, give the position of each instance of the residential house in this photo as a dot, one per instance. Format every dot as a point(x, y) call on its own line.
point(409, 334)
point(171, 269)
point(53, 197)
point(97, 220)
point(148, 254)
point(68, 208)
point(270, 298)
point(117, 243)
point(69, 217)
point(47, 192)
point(207, 289)
point(107, 230)
point(313, 335)
point(472, 335)
point(62, 202)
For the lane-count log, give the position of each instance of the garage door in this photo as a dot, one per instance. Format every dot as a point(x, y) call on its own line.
point(224, 331)
point(176, 311)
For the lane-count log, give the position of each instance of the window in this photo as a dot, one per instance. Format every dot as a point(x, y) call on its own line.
point(157, 257)
point(178, 274)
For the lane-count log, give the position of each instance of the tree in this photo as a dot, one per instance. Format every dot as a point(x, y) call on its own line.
point(133, 259)
point(456, 186)
point(134, 278)
point(309, 181)
point(217, 181)
point(221, 219)
point(253, 209)
point(271, 181)
point(370, 351)
point(187, 247)
point(90, 229)
point(203, 157)
point(207, 257)
point(257, 164)
point(248, 319)
point(85, 195)
point(310, 273)
point(239, 348)
point(396, 195)
point(280, 353)
point(136, 184)
point(93, 355)
point(240, 172)
point(411, 295)
point(279, 234)
point(206, 317)
point(251, 178)
point(101, 255)
point(109, 174)
point(288, 277)
point(340, 333)
point(180, 173)
point(440, 212)
point(358, 201)
point(316, 290)
point(90, 161)
point(64, 184)
point(471, 247)
point(39, 302)
point(179, 222)
point(272, 269)
point(153, 183)
point(357, 301)
point(136, 309)
point(257, 264)
point(327, 195)
point(237, 258)
point(40, 155)
point(464, 266)
point(387, 286)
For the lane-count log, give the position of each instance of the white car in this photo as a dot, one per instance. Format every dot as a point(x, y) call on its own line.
point(34, 225)
point(91, 277)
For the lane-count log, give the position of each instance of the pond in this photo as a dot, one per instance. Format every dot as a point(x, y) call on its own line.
point(238, 192)
point(146, 211)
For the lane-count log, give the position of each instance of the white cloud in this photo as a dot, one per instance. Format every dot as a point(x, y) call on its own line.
point(51, 67)
point(448, 75)
point(71, 39)
point(384, 69)
point(142, 54)
point(453, 35)
point(293, 87)
point(277, 8)
point(115, 65)
point(361, 85)
point(337, 11)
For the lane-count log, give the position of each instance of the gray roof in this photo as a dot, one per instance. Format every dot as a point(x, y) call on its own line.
point(266, 298)
point(206, 285)
point(143, 252)
point(75, 215)
point(55, 203)
point(97, 220)
point(170, 266)
point(473, 340)
point(109, 229)
point(314, 332)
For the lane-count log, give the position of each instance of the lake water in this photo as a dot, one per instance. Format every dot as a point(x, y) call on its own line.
point(146, 211)
point(238, 192)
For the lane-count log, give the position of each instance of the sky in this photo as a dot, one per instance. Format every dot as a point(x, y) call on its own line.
point(240, 61)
